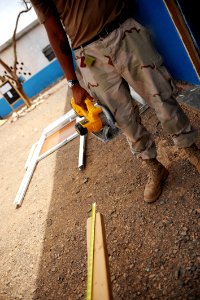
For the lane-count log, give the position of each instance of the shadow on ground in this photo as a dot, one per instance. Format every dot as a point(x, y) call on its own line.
point(153, 249)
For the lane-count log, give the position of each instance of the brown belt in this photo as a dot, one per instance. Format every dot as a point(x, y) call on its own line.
point(106, 30)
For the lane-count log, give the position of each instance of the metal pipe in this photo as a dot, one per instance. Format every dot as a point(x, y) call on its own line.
point(82, 147)
point(29, 172)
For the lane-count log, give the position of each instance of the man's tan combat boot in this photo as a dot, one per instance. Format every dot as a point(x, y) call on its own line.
point(157, 174)
point(193, 155)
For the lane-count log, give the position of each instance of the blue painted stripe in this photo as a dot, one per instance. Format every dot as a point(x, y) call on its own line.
point(33, 86)
point(4, 108)
point(43, 79)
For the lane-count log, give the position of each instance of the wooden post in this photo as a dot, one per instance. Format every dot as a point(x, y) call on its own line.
point(101, 285)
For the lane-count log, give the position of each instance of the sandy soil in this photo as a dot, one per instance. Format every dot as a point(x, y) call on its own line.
point(154, 250)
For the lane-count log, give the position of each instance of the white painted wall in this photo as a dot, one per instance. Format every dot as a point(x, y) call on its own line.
point(29, 49)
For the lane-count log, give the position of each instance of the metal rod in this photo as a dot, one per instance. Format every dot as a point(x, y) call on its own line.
point(29, 172)
point(143, 108)
point(82, 147)
point(30, 156)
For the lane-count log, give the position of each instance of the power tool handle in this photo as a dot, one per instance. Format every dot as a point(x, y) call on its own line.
point(82, 110)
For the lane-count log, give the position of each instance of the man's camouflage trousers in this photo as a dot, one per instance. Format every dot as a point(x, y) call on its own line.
point(126, 57)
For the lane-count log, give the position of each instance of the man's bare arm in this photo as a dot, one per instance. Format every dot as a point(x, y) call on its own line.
point(61, 47)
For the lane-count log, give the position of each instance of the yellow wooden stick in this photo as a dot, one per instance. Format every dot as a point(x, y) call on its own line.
point(91, 254)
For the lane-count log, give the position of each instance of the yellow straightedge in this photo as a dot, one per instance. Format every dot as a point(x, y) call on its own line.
point(91, 254)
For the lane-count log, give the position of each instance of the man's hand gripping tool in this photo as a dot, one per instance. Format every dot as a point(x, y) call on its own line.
point(91, 117)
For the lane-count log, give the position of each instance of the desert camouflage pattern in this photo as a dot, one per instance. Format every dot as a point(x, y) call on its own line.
point(126, 57)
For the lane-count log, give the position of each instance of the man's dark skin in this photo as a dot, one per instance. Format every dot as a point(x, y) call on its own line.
point(61, 47)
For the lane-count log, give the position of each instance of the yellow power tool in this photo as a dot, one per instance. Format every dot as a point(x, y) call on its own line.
point(95, 119)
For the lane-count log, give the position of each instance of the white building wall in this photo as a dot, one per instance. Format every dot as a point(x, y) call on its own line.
point(29, 49)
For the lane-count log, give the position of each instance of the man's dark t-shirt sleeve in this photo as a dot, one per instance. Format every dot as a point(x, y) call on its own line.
point(43, 9)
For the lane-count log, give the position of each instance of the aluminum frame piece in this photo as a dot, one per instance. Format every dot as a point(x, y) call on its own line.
point(29, 173)
point(58, 139)
point(59, 123)
point(34, 155)
point(30, 155)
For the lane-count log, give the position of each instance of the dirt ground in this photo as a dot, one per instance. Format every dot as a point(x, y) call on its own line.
point(154, 250)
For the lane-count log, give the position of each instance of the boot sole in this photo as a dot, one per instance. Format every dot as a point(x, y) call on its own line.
point(165, 175)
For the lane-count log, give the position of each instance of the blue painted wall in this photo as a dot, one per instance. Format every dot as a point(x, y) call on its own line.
point(154, 15)
point(35, 85)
